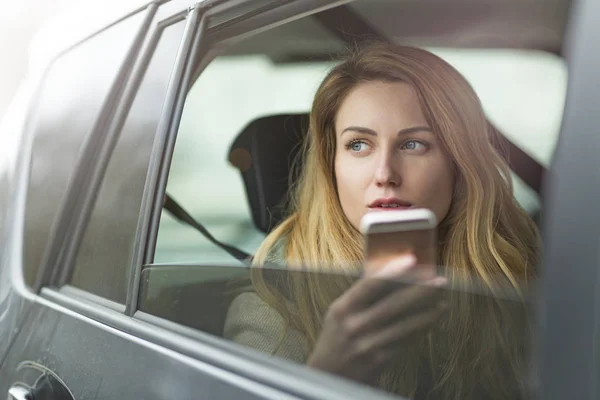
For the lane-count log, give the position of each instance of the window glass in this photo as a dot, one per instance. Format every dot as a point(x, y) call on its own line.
point(286, 311)
point(104, 257)
point(69, 101)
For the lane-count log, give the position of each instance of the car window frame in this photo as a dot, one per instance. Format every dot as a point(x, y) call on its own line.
point(527, 189)
point(222, 38)
point(54, 274)
point(169, 122)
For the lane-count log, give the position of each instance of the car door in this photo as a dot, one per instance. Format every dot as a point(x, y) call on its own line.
point(90, 157)
point(101, 121)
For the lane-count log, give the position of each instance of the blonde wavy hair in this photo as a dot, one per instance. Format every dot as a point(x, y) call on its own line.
point(486, 236)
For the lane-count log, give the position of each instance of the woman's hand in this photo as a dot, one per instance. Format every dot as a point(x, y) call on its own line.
point(366, 326)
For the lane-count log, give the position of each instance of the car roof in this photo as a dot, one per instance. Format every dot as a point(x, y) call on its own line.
point(531, 24)
point(507, 24)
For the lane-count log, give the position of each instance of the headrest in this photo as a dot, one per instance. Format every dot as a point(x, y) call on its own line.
point(264, 153)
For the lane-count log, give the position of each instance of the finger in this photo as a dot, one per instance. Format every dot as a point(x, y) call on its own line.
point(402, 303)
point(369, 289)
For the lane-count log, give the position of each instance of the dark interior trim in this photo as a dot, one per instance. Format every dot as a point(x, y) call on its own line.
point(147, 227)
point(526, 167)
point(347, 25)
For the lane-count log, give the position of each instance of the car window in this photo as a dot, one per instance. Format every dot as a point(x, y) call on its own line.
point(105, 255)
point(522, 93)
point(262, 86)
point(67, 106)
point(201, 178)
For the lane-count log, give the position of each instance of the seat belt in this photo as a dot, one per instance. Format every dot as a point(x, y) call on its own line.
point(183, 216)
point(522, 164)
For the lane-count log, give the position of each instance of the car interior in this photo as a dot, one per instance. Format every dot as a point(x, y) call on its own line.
point(266, 153)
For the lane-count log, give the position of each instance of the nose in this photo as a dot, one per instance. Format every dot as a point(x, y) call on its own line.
point(386, 173)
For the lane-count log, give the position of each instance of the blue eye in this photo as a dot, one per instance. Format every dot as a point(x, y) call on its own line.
point(357, 146)
point(413, 145)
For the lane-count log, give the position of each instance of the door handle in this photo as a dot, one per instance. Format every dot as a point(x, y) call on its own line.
point(46, 387)
point(18, 392)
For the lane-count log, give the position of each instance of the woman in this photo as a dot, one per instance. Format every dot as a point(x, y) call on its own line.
point(397, 127)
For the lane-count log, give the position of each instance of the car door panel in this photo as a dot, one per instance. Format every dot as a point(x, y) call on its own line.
point(93, 356)
point(99, 362)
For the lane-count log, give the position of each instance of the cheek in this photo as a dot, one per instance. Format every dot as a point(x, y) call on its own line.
point(351, 186)
point(441, 188)
point(431, 183)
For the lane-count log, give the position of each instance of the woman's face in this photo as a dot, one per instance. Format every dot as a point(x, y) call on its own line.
point(387, 157)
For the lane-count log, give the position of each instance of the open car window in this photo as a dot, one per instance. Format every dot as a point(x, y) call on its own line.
point(522, 91)
point(275, 73)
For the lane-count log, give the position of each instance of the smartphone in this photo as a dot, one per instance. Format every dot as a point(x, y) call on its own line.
point(389, 234)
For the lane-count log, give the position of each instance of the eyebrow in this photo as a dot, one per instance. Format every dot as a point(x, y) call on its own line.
point(368, 131)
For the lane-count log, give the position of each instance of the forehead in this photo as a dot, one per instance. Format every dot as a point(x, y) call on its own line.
point(380, 104)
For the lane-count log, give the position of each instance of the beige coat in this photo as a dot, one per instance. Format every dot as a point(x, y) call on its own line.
point(252, 322)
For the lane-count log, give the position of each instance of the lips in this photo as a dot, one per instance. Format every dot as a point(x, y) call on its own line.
point(389, 203)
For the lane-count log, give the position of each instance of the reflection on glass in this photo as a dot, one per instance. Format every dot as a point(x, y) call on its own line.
point(69, 102)
point(104, 257)
point(384, 332)
point(391, 127)
point(360, 322)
